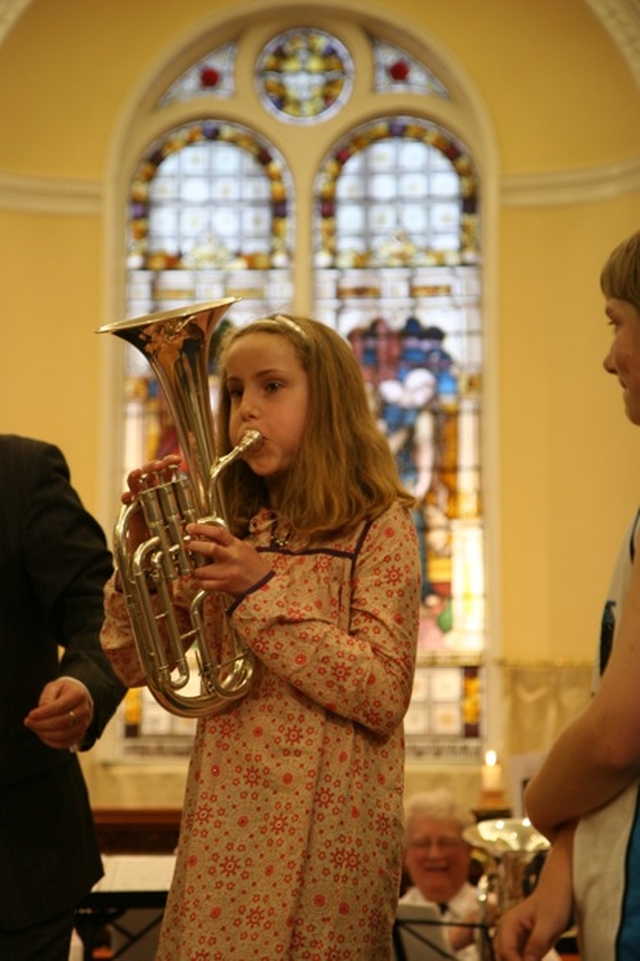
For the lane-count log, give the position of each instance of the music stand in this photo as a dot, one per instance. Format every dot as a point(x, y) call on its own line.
point(418, 934)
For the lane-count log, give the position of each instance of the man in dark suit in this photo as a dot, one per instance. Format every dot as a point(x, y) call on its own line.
point(53, 565)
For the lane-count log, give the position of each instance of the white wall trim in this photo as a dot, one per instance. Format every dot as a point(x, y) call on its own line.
point(579, 185)
point(50, 195)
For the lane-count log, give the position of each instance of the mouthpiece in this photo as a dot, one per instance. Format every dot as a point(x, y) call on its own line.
point(250, 440)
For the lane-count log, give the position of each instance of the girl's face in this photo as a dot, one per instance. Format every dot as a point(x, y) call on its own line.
point(623, 358)
point(269, 391)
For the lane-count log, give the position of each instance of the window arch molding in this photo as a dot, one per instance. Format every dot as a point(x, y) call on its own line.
point(464, 114)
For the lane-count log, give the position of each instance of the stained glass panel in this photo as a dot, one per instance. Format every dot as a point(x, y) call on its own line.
point(304, 75)
point(396, 70)
point(397, 272)
point(209, 217)
point(213, 75)
point(384, 165)
point(210, 195)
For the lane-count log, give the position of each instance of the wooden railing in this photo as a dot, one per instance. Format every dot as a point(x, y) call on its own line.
point(137, 830)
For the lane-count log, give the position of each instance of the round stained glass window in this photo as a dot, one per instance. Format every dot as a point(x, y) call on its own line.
point(304, 75)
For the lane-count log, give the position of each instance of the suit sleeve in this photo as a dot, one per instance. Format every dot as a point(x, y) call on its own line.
point(69, 564)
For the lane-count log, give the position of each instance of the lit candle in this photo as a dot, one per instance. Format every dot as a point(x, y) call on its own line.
point(491, 773)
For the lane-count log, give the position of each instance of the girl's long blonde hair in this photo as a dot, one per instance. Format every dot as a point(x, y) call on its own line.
point(344, 471)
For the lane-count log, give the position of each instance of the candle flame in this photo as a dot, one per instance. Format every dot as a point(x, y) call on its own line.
point(491, 758)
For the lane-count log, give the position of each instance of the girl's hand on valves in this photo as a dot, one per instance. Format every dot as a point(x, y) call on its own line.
point(149, 475)
point(233, 565)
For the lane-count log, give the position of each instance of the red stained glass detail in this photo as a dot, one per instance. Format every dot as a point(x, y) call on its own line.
point(209, 77)
point(399, 70)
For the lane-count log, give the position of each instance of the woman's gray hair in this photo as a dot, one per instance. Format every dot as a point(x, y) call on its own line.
point(438, 803)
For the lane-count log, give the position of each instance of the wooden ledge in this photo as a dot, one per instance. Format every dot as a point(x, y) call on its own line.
point(139, 830)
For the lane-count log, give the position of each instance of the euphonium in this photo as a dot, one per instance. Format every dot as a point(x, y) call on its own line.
point(176, 343)
point(516, 851)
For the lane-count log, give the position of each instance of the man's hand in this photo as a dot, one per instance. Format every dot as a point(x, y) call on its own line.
point(63, 714)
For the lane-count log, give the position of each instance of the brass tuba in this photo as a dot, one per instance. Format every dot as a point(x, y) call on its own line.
point(516, 855)
point(176, 343)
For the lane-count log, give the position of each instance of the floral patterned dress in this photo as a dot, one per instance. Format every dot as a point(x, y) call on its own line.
point(291, 838)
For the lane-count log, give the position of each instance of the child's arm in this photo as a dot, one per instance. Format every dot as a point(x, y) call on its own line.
point(598, 755)
point(529, 930)
point(351, 649)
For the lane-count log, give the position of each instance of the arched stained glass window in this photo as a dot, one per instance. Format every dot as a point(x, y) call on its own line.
point(210, 194)
point(386, 249)
point(397, 192)
point(397, 257)
point(209, 216)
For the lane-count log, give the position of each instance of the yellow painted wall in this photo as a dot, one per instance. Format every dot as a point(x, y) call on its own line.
point(50, 305)
point(570, 460)
point(557, 89)
point(559, 98)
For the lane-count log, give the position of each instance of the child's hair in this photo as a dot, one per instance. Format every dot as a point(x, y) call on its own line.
point(620, 276)
point(344, 471)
